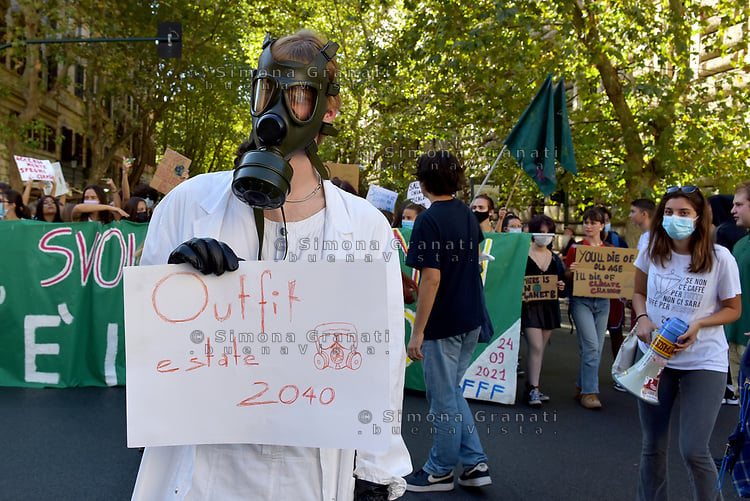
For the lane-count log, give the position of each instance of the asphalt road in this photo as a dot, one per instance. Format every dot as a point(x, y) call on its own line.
point(69, 444)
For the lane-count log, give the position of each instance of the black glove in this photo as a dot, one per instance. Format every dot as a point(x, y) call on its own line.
point(369, 491)
point(206, 255)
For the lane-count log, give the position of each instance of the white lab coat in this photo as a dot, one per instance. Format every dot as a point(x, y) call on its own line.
point(204, 206)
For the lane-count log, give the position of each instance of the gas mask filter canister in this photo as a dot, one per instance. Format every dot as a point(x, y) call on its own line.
point(289, 101)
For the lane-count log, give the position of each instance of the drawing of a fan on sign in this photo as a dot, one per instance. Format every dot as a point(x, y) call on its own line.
point(336, 346)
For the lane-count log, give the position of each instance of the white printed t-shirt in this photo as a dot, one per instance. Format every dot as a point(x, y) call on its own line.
point(643, 242)
point(673, 291)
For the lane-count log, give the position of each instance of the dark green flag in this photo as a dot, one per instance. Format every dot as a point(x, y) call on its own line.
point(563, 139)
point(543, 134)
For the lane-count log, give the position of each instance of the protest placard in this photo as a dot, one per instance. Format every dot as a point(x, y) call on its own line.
point(539, 287)
point(415, 195)
point(171, 171)
point(61, 187)
point(604, 272)
point(274, 353)
point(34, 169)
point(345, 172)
point(382, 198)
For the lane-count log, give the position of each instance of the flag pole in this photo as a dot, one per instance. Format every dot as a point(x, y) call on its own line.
point(507, 202)
point(515, 183)
point(494, 164)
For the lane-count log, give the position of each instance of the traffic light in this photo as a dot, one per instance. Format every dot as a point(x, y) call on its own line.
point(170, 40)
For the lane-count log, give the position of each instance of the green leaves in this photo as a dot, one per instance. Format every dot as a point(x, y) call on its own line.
point(646, 104)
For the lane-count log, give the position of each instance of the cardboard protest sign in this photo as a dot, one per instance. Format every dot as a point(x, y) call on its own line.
point(61, 188)
point(345, 172)
point(274, 353)
point(34, 169)
point(382, 198)
point(171, 171)
point(415, 195)
point(604, 272)
point(539, 287)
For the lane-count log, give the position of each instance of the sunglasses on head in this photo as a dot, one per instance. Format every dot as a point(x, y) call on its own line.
point(685, 189)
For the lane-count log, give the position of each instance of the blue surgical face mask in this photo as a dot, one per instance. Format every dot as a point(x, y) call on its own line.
point(677, 227)
point(514, 230)
point(3, 211)
point(607, 227)
point(407, 224)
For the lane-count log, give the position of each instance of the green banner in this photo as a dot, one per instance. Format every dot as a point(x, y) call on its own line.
point(492, 375)
point(61, 307)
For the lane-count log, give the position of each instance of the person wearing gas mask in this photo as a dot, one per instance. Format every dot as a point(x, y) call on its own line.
point(276, 196)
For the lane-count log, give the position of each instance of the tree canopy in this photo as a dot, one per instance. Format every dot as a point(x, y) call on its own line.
point(657, 91)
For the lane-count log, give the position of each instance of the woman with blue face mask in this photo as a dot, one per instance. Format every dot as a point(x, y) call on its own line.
point(409, 215)
point(12, 206)
point(684, 275)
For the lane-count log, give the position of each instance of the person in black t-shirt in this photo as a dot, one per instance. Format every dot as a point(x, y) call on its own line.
point(444, 246)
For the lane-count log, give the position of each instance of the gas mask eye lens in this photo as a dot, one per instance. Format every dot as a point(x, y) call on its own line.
point(301, 99)
point(327, 340)
point(263, 89)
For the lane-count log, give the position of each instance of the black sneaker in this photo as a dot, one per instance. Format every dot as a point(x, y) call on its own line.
point(476, 476)
point(729, 397)
point(421, 481)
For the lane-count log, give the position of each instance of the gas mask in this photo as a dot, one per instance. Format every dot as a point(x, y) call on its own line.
point(289, 101)
point(336, 347)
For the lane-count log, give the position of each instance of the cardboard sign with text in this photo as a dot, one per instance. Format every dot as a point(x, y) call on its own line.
point(34, 169)
point(539, 287)
point(415, 195)
point(382, 198)
point(604, 272)
point(171, 171)
point(273, 353)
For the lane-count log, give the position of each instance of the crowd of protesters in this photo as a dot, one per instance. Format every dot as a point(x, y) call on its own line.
point(686, 234)
point(686, 238)
point(102, 203)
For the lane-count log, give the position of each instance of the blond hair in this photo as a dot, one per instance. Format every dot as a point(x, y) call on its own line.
point(302, 48)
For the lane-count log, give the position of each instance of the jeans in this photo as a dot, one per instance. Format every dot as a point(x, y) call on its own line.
point(700, 400)
point(455, 436)
point(590, 315)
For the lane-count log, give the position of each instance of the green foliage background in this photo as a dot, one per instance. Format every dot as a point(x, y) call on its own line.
point(645, 110)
